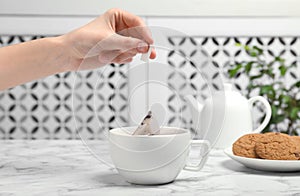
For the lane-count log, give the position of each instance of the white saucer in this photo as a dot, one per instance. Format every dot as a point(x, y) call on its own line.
point(265, 165)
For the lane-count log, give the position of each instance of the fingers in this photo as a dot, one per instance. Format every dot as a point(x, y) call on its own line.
point(105, 58)
point(111, 48)
point(124, 57)
point(125, 23)
point(153, 54)
point(126, 61)
point(116, 57)
point(140, 32)
point(102, 59)
point(140, 29)
point(123, 43)
point(131, 20)
point(127, 44)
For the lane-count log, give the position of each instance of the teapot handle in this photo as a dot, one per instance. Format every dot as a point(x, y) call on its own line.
point(268, 112)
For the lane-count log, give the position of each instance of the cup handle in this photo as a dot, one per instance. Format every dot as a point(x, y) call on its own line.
point(268, 112)
point(204, 155)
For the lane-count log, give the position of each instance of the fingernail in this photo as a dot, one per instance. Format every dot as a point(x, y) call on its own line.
point(142, 47)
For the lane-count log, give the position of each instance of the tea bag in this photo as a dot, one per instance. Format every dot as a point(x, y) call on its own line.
point(149, 126)
point(145, 57)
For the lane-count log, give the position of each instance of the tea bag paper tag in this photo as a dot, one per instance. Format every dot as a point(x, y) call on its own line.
point(145, 57)
point(158, 114)
point(154, 126)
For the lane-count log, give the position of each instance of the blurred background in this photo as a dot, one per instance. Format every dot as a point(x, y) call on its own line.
point(254, 44)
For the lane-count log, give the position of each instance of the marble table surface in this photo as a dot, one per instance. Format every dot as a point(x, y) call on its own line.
point(68, 168)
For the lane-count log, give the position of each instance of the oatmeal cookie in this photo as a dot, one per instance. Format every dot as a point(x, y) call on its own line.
point(245, 145)
point(296, 139)
point(277, 146)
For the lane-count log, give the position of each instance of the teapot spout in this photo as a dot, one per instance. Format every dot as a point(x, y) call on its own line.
point(196, 110)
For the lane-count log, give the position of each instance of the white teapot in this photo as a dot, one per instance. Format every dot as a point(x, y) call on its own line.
point(225, 116)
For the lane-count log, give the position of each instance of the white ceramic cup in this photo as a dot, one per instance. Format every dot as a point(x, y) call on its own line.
point(155, 159)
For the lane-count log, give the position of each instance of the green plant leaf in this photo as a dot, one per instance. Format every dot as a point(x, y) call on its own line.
point(274, 110)
point(256, 76)
point(258, 50)
point(248, 66)
point(267, 90)
point(251, 86)
point(279, 59)
point(278, 119)
point(286, 99)
point(254, 51)
point(259, 65)
point(285, 103)
point(235, 70)
point(297, 84)
point(294, 113)
point(283, 70)
point(247, 48)
point(253, 54)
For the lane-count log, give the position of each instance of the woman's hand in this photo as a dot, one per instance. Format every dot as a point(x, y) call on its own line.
point(114, 37)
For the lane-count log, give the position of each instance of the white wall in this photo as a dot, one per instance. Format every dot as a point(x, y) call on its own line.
point(154, 7)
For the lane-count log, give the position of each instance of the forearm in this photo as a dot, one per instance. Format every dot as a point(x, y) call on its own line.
point(31, 60)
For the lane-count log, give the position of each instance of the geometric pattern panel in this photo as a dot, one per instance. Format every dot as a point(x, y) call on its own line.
point(43, 109)
point(186, 61)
